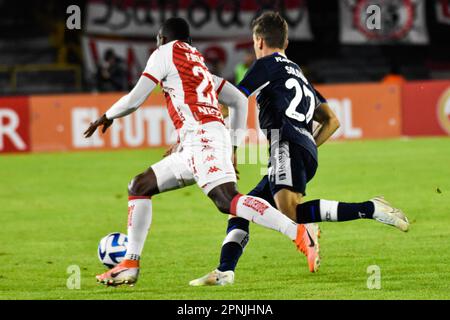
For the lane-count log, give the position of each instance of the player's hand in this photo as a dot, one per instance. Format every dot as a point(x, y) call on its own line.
point(234, 159)
point(171, 150)
point(102, 121)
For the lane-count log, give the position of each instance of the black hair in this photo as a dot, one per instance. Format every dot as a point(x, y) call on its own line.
point(176, 29)
point(109, 54)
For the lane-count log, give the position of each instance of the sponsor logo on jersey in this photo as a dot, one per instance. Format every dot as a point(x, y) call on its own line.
point(282, 59)
point(206, 110)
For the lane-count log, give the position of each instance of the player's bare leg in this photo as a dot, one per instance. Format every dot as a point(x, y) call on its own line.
point(140, 191)
point(308, 239)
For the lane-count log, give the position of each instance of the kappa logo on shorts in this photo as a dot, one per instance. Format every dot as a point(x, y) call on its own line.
point(213, 169)
point(194, 168)
point(210, 158)
point(256, 205)
point(207, 147)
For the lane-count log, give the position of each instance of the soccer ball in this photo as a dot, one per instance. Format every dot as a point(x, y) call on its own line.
point(112, 249)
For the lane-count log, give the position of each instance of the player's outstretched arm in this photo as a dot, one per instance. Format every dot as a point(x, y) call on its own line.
point(133, 100)
point(155, 70)
point(328, 121)
point(124, 106)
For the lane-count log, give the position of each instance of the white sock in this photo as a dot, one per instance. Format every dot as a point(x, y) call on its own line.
point(139, 221)
point(329, 210)
point(261, 212)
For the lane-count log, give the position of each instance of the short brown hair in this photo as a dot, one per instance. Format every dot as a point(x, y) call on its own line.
point(272, 27)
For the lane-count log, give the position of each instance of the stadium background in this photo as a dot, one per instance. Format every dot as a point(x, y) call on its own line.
point(405, 68)
point(386, 87)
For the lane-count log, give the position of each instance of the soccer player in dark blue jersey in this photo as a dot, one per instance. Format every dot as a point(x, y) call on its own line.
point(288, 104)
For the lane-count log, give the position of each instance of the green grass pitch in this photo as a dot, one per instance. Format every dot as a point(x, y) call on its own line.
point(54, 208)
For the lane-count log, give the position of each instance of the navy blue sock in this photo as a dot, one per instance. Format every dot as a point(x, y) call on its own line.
point(311, 211)
point(353, 211)
point(234, 243)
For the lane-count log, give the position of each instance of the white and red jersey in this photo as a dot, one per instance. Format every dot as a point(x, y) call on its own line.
point(190, 89)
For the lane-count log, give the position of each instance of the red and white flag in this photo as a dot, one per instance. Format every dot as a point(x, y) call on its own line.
point(443, 11)
point(207, 18)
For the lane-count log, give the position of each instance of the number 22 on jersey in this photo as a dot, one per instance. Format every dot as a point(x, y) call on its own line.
point(204, 94)
point(300, 92)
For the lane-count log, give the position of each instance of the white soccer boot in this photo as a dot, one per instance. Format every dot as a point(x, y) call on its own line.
point(387, 214)
point(214, 278)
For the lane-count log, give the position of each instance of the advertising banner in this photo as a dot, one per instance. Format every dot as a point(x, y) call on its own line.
point(365, 111)
point(58, 123)
point(426, 108)
point(14, 125)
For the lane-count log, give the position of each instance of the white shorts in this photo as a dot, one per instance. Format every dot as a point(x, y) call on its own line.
point(203, 157)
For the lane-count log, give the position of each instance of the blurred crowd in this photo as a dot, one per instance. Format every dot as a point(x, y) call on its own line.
point(38, 54)
point(112, 73)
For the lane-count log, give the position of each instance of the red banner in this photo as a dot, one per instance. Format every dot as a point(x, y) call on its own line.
point(14, 125)
point(426, 108)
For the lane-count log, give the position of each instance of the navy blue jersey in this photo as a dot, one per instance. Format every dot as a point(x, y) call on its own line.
point(285, 98)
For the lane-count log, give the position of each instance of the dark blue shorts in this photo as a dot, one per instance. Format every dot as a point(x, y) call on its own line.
point(290, 167)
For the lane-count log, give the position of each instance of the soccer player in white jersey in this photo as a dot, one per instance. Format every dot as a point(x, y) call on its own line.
point(205, 153)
